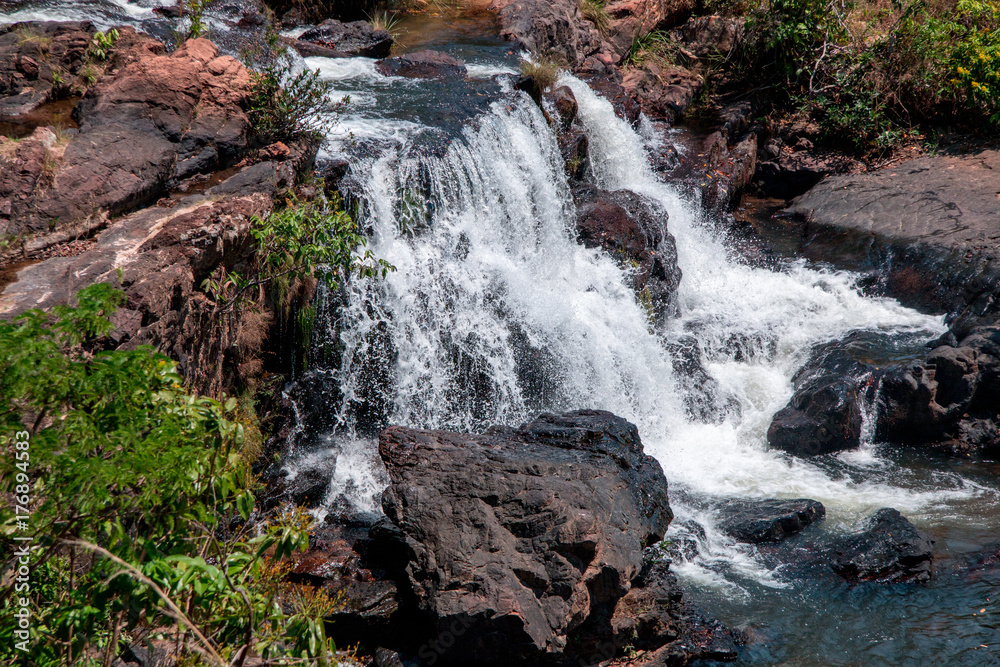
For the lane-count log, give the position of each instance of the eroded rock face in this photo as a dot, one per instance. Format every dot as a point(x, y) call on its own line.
point(549, 531)
point(633, 230)
point(664, 92)
point(762, 521)
point(890, 550)
point(950, 399)
point(944, 257)
point(336, 39)
point(628, 18)
point(553, 29)
point(159, 119)
point(30, 53)
point(422, 65)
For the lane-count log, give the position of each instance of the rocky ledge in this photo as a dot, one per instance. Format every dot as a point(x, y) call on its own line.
point(541, 557)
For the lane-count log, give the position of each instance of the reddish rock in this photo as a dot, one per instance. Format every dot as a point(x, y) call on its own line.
point(663, 92)
point(629, 18)
point(553, 29)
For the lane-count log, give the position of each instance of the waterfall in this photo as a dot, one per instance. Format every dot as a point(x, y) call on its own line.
point(495, 313)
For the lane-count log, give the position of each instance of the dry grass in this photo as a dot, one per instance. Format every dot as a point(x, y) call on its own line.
point(595, 12)
point(546, 73)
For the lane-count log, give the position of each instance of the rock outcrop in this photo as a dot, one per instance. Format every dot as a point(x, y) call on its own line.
point(949, 399)
point(553, 30)
point(633, 230)
point(550, 532)
point(37, 59)
point(890, 550)
point(158, 120)
point(934, 217)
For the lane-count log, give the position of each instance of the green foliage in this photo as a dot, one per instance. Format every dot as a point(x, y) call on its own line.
point(102, 44)
point(304, 239)
point(139, 495)
point(196, 15)
point(285, 106)
point(385, 20)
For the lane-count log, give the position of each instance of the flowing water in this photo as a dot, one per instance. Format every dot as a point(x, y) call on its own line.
point(495, 313)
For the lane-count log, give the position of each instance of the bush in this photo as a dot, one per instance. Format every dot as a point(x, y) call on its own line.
point(285, 106)
point(139, 495)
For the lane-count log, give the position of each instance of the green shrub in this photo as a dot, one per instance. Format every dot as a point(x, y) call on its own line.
point(139, 492)
point(285, 106)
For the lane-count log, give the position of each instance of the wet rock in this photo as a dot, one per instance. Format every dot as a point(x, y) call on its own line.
point(949, 399)
point(575, 148)
point(663, 92)
point(564, 102)
point(762, 521)
point(889, 550)
point(553, 29)
point(726, 183)
point(609, 86)
point(633, 230)
point(422, 65)
point(344, 40)
point(550, 532)
point(824, 414)
point(944, 258)
point(704, 401)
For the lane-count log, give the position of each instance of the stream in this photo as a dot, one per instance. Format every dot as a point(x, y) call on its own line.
point(495, 312)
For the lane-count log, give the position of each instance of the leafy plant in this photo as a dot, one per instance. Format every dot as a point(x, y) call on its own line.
point(102, 43)
point(305, 239)
point(654, 45)
point(285, 105)
point(139, 494)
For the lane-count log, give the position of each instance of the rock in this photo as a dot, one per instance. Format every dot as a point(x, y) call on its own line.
point(944, 258)
point(761, 521)
point(422, 65)
point(824, 414)
point(889, 550)
point(628, 18)
point(792, 173)
point(725, 184)
point(510, 561)
point(610, 88)
point(703, 398)
point(663, 92)
point(159, 119)
point(575, 149)
point(552, 29)
point(164, 254)
point(949, 399)
point(707, 36)
point(344, 40)
point(564, 102)
point(634, 231)
point(30, 52)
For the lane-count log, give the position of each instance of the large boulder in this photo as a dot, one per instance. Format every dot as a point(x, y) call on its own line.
point(335, 39)
point(927, 225)
point(157, 120)
point(628, 18)
point(889, 550)
point(664, 91)
point(547, 533)
point(633, 230)
point(552, 29)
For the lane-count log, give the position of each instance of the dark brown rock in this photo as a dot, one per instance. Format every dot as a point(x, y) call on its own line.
point(550, 530)
point(772, 520)
point(628, 18)
point(707, 36)
point(422, 65)
point(633, 230)
point(345, 40)
point(890, 550)
point(663, 92)
point(553, 29)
